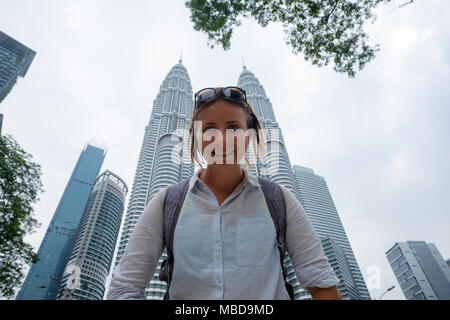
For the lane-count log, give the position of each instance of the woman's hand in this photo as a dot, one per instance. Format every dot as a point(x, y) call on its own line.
point(331, 293)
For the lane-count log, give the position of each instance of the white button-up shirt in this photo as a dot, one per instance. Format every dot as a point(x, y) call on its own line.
point(222, 252)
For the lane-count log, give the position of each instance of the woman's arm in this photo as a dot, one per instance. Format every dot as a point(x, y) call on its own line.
point(331, 293)
point(306, 252)
point(141, 256)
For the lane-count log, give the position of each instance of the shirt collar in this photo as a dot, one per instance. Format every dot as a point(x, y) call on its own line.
point(248, 178)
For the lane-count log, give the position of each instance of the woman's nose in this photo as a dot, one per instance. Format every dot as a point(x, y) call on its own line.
point(223, 139)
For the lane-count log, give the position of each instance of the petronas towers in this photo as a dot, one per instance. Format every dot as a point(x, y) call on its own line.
point(165, 140)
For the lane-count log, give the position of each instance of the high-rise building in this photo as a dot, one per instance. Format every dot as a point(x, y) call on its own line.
point(44, 276)
point(162, 161)
point(275, 164)
point(420, 270)
point(340, 264)
point(92, 251)
point(1, 123)
point(316, 199)
point(15, 59)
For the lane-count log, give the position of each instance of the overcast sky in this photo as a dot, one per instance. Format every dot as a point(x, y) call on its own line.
point(379, 139)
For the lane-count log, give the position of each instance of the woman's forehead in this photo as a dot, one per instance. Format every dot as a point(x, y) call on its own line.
point(222, 112)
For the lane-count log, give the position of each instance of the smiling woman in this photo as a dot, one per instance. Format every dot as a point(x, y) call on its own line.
point(229, 123)
point(228, 229)
point(223, 135)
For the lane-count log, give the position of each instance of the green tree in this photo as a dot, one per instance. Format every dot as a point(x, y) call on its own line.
point(323, 30)
point(19, 187)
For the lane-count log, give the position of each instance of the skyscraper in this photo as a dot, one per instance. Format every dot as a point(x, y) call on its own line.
point(44, 276)
point(420, 270)
point(15, 59)
point(92, 251)
point(275, 164)
point(319, 205)
point(340, 264)
point(162, 161)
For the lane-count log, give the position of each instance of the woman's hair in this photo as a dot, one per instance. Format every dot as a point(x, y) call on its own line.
point(252, 123)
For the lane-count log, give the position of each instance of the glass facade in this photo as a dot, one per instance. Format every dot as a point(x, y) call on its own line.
point(44, 276)
point(341, 266)
point(420, 270)
point(316, 199)
point(94, 245)
point(15, 59)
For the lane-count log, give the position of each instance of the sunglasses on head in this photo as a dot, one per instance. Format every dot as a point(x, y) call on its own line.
point(208, 94)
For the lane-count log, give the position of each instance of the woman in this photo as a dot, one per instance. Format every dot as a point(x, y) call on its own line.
point(225, 243)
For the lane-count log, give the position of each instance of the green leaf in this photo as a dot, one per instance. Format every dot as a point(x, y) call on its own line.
point(19, 186)
point(323, 31)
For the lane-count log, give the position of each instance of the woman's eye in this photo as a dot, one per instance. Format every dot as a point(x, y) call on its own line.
point(232, 127)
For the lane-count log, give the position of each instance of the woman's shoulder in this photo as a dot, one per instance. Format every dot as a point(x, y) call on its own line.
point(156, 202)
point(162, 192)
point(160, 196)
point(292, 203)
point(288, 194)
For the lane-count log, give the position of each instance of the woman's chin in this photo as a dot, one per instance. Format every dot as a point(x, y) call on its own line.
point(225, 160)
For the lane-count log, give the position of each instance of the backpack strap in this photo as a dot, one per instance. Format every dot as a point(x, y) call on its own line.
point(173, 202)
point(277, 208)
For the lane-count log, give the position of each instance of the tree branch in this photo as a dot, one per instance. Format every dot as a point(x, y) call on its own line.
point(405, 4)
point(327, 16)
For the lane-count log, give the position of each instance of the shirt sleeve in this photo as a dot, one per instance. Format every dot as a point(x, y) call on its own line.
point(142, 253)
point(305, 248)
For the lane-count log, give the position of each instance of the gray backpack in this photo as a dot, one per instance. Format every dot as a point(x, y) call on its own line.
point(174, 201)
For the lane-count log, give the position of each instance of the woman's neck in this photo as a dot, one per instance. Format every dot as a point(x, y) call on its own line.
point(222, 178)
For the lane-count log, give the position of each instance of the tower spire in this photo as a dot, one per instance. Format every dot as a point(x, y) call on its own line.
point(181, 56)
point(243, 63)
